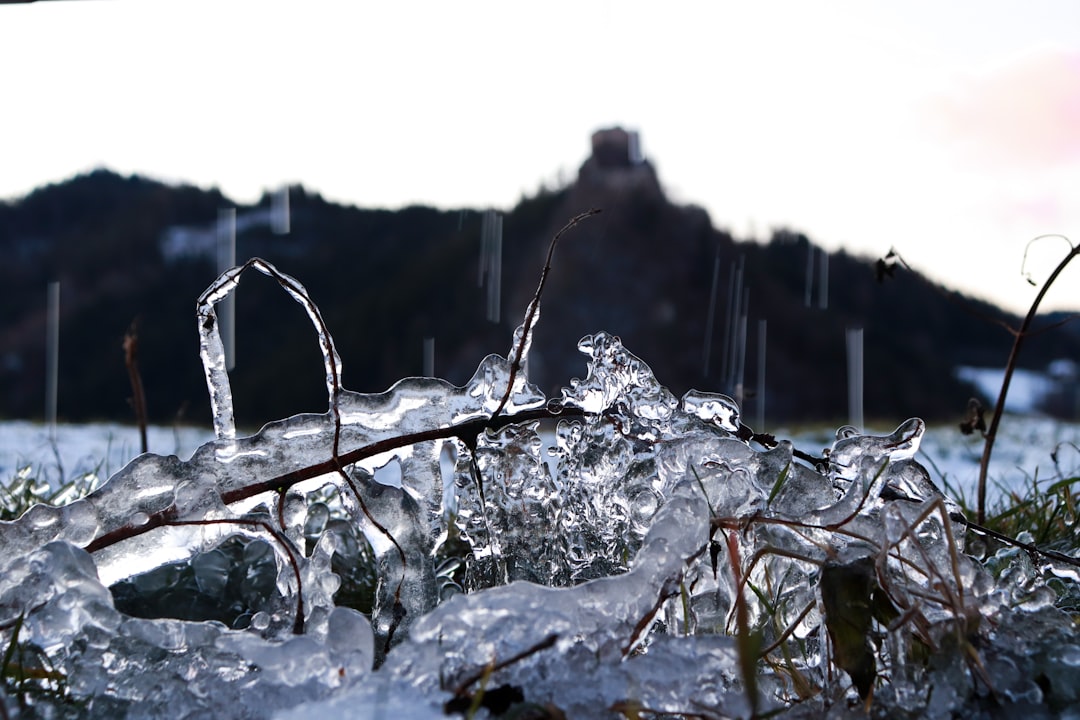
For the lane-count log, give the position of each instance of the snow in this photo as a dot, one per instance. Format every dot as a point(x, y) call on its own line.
point(1027, 388)
point(99, 448)
point(1022, 453)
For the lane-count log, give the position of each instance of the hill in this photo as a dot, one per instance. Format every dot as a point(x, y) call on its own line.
point(127, 248)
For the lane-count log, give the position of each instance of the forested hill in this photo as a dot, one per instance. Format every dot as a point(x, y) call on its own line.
point(130, 249)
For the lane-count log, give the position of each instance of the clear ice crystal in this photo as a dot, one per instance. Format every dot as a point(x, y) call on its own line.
point(620, 571)
point(620, 385)
point(720, 410)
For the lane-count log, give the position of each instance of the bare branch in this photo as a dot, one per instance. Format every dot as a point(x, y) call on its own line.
point(530, 315)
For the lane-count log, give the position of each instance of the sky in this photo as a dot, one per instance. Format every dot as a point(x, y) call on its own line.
point(948, 130)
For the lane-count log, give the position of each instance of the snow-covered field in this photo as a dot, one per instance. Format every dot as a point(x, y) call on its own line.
point(100, 448)
point(1022, 451)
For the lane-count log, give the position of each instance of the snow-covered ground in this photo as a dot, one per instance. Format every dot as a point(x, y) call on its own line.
point(100, 448)
point(1022, 452)
point(1027, 389)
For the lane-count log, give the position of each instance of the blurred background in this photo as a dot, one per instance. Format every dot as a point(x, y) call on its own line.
point(410, 165)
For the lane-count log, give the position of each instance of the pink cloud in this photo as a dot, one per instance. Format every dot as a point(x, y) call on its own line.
point(1023, 114)
point(1028, 216)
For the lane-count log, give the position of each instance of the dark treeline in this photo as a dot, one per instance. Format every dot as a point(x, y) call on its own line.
point(385, 280)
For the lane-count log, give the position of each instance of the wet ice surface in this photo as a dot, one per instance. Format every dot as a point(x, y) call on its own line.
point(658, 564)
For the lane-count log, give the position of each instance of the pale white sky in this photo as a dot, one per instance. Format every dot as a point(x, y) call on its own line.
point(950, 130)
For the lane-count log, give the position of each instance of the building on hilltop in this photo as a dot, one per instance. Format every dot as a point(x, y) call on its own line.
point(616, 148)
point(617, 161)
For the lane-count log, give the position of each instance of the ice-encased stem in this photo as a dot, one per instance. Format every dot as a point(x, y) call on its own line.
point(212, 351)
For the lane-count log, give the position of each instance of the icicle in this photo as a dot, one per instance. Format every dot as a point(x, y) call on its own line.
point(212, 352)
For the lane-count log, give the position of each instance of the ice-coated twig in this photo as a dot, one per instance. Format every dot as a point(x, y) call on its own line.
point(217, 376)
point(213, 352)
point(472, 678)
point(1027, 547)
point(286, 480)
point(952, 599)
point(521, 350)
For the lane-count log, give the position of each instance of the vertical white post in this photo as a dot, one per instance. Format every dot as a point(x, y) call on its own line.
point(485, 250)
point(855, 377)
point(725, 355)
point(52, 355)
point(226, 309)
point(762, 329)
point(710, 317)
point(633, 148)
point(734, 349)
point(429, 357)
point(496, 271)
point(280, 220)
point(740, 375)
point(823, 281)
point(491, 261)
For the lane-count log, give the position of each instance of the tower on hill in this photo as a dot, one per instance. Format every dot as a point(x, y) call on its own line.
point(616, 148)
point(617, 160)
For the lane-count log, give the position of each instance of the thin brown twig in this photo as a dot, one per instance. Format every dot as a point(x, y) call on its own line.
point(1010, 366)
point(789, 629)
point(1027, 547)
point(530, 315)
point(1019, 334)
point(492, 668)
point(138, 394)
point(769, 441)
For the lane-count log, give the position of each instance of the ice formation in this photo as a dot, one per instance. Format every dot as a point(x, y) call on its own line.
point(667, 564)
